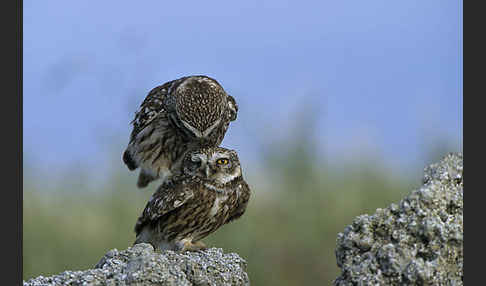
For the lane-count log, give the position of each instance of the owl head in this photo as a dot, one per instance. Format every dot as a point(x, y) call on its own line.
point(216, 165)
point(200, 105)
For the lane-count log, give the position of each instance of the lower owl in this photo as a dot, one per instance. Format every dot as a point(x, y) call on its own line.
point(209, 193)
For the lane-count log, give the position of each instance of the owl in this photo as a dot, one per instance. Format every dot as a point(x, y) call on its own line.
point(186, 208)
point(184, 114)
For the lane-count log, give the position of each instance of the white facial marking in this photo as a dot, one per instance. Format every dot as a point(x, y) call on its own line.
point(208, 171)
point(194, 131)
point(217, 155)
point(230, 177)
point(198, 133)
point(210, 128)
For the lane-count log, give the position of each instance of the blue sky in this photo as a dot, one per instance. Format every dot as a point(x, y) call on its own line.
point(380, 75)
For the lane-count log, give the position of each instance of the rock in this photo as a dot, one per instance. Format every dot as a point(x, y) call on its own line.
point(417, 242)
point(140, 265)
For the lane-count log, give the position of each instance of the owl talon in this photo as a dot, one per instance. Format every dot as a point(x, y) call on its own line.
point(194, 246)
point(200, 245)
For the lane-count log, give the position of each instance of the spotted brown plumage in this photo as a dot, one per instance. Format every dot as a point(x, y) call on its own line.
point(180, 115)
point(186, 208)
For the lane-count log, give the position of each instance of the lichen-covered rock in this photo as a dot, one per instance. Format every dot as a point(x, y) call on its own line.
point(417, 242)
point(140, 265)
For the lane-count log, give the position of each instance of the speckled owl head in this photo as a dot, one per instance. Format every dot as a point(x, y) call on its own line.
point(216, 164)
point(200, 104)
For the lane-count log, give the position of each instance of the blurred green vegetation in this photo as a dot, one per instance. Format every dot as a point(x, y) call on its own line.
point(287, 235)
point(300, 202)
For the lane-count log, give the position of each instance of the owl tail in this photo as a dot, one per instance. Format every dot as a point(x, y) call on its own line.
point(144, 179)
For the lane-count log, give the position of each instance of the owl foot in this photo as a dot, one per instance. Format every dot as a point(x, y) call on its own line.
point(193, 246)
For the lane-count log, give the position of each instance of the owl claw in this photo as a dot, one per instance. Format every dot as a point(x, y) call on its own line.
point(193, 246)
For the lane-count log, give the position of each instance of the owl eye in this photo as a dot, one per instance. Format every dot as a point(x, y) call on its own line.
point(222, 161)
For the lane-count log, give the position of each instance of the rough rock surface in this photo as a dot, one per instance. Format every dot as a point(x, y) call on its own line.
point(417, 242)
point(140, 265)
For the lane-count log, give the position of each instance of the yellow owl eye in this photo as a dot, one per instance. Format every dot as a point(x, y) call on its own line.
point(222, 161)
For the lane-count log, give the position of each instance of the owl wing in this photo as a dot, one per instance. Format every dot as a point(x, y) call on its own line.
point(151, 107)
point(243, 191)
point(167, 198)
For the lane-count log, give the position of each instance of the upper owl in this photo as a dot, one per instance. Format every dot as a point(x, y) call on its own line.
point(180, 115)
